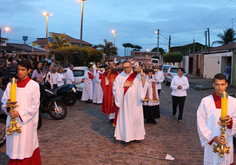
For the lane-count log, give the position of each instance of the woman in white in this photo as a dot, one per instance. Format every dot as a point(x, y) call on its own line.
point(87, 94)
point(60, 77)
point(52, 76)
point(98, 93)
point(179, 85)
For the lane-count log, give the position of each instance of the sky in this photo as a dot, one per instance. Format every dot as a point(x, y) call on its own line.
point(134, 20)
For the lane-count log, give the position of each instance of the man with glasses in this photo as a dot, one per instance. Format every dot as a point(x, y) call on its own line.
point(129, 90)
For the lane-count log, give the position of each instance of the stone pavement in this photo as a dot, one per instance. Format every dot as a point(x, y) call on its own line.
point(85, 136)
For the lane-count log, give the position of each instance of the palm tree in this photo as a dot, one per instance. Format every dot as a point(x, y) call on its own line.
point(125, 46)
point(108, 48)
point(227, 37)
point(59, 41)
point(129, 45)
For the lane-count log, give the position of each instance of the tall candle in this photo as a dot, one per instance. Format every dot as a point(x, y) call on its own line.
point(13, 90)
point(224, 104)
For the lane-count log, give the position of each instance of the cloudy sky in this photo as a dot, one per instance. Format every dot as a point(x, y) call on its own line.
point(135, 20)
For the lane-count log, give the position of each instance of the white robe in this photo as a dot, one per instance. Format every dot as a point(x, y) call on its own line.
point(22, 145)
point(207, 117)
point(160, 76)
point(88, 87)
point(95, 71)
point(130, 121)
point(98, 93)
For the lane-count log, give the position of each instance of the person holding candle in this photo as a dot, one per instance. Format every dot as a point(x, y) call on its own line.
point(211, 110)
point(23, 148)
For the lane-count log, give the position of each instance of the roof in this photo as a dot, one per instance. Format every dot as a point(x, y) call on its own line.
point(196, 43)
point(224, 47)
point(20, 47)
point(42, 41)
point(4, 38)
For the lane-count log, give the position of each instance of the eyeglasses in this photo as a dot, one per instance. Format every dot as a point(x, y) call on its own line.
point(127, 67)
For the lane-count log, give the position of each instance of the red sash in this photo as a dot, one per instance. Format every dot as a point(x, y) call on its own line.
point(90, 75)
point(129, 79)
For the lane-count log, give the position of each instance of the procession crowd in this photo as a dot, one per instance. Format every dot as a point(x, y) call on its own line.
point(129, 95)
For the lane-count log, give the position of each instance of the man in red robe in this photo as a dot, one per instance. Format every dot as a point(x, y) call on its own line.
point(107, 79)
point(23, 148)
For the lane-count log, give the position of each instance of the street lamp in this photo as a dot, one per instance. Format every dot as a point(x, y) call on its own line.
point(5, 30)
point(46, 14)
point(81, 26)
point(157, 32)
point(113, 31)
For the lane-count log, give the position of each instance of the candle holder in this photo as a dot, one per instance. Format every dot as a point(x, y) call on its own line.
point(13, 123)
point(222, 149)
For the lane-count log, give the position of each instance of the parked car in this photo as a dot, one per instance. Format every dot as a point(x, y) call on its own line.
point(79, 72)
point(3, 118)
point(165, 67)
point(170, 73)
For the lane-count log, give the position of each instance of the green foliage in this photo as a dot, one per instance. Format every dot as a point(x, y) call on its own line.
point(81, 57)
point(172, 57)
point(161, 50)
point(227, 37)
point(59, 41)
point(108, 48)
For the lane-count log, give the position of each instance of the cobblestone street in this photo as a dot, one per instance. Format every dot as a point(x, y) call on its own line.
point(85, 136)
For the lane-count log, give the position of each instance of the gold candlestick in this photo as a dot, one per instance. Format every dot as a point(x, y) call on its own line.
point(13, 123)
point(222, 149)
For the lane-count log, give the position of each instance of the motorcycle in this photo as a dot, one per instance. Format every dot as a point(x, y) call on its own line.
point(49, 103)
point(67, 93)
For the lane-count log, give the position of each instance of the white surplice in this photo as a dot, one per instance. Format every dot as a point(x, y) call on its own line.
point(130, 121)
point(207, 117)
point(88, 87)
point(160, 78)
point(95, 71)
point(22, 145)
point(98, 93)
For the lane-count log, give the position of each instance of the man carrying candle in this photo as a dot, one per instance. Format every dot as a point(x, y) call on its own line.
point(208, 115)
point(23, 148)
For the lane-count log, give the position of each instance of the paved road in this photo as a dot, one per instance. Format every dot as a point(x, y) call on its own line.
point(85, 136)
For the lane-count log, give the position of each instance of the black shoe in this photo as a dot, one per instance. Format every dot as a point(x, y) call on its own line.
point(154, 121)
point(112, 120)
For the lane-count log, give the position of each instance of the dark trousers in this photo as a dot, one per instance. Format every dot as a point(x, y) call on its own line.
point(159, 92)
point(178, 101)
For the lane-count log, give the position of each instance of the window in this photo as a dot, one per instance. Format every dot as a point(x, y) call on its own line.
point(78, 73)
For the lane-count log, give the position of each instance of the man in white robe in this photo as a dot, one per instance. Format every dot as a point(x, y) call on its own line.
point(98, 93)
point(208, 115)
point(70, 79)
point(95, 71)
point(160, 76)
point(129, 89)
point(23, 148)
point(87, 94)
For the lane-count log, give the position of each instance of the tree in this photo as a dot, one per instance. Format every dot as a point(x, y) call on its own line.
point(59, 41)
point(125, 46)
point(109, 49)
point(161, 50)
point(172, 57)
point(129, 45)
point(227, 37)
point(137, 47)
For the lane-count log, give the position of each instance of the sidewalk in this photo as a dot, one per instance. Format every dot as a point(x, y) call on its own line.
point(206, 85)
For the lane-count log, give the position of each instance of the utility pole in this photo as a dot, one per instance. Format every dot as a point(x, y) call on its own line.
point(193, 46)
point(209, 40)
point(158, 31)
point(81, 24)
point(205, 41)
point(169, 43)
point(232, 23)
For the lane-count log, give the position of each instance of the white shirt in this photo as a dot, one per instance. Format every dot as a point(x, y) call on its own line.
point(52, 78)
point(60, 79)
point(176, 81)
point(70, 76)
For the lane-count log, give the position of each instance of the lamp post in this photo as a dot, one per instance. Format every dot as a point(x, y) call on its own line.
point(157, 32)
point(113, 31)
point(6, 29)
point(46, 14)
point(81, 26)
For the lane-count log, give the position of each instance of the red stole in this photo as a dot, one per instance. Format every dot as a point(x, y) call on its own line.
point(154, 96)
point(131, 80)
point(90, 75)
point(217, 100)
point(108, 102)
